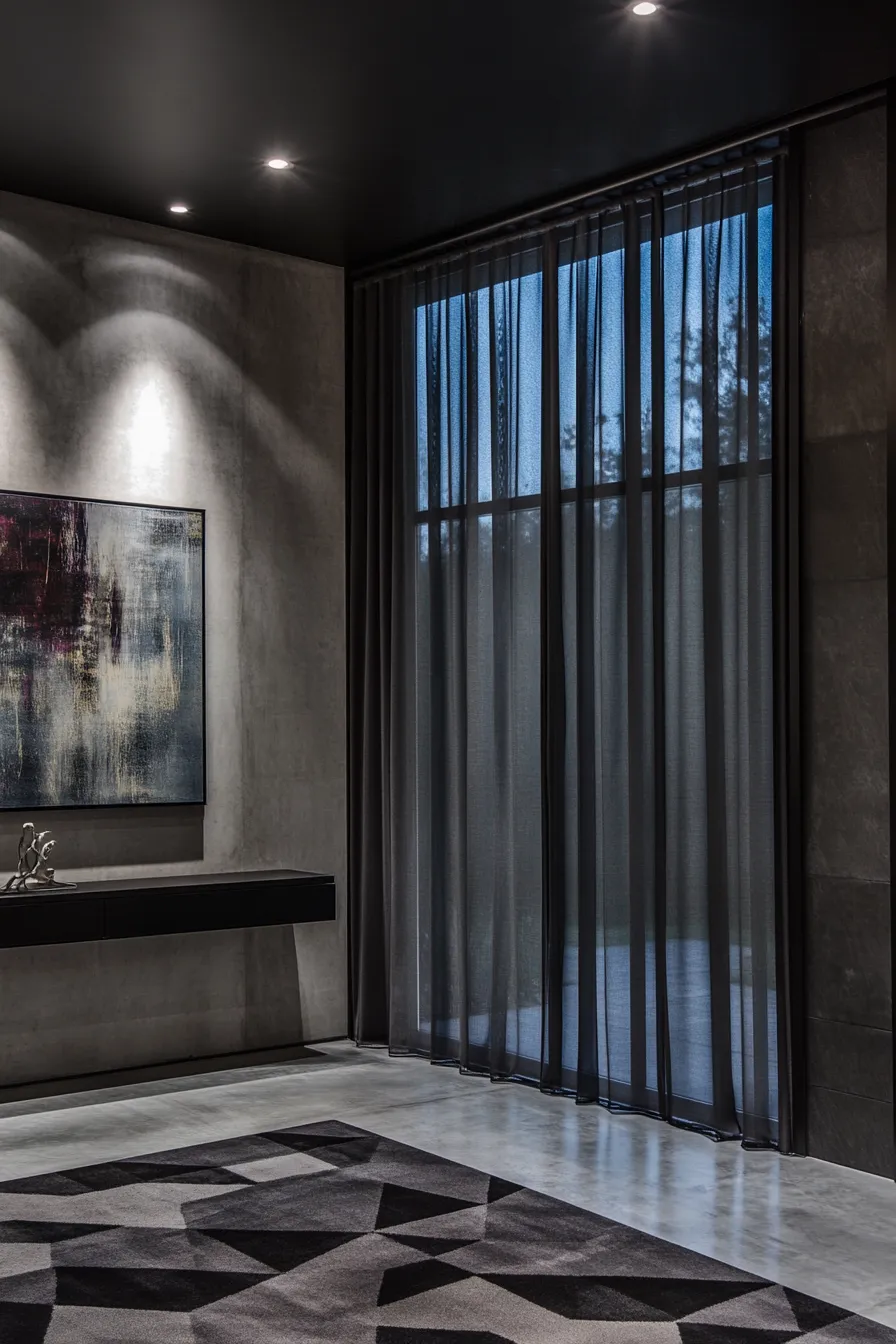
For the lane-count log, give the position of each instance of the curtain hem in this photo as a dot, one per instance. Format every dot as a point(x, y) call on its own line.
point(568, 1094)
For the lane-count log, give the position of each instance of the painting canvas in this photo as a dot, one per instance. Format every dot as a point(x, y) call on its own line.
point(101, 653)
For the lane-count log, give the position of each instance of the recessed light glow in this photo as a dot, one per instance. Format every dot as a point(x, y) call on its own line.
point(179, 209)
point(279, 164)
point(643, 8)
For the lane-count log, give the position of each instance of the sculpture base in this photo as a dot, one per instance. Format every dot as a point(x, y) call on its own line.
point(23, 885)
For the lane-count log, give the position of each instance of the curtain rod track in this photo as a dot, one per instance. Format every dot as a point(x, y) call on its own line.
point(498, 229)
point(642, 194)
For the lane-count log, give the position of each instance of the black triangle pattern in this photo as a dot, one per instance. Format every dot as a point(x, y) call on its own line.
point(577, 1297)
point(197, 1176)
point(399, 1204)
point(409, 1280)
point(340, 1152)
point(24, 1322)
point(148, 1289)
point(810, 1313)
point(622, 1297)
point(432, 1245)
point(114, 1175)
point(498, 1189)
point(282, 1250)
point(375, 1238)
point(676, 1298)
point(56, 1183)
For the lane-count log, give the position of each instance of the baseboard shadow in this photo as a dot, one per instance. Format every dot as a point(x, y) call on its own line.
point(153, 1073)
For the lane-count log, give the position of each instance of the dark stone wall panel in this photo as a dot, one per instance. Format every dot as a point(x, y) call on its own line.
point(852, 1131)
point(848, 947)
point(844, 499)
point(845, 648)
point(846, 755)
point(844, 1057)
point(844, 316)
point(845, 182)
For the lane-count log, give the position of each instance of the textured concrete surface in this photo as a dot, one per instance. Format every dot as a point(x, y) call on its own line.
point(845, 654)
point(145, 364)
point(818, 1228)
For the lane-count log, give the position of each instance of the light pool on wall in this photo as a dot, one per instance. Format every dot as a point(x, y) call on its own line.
point(101, 653)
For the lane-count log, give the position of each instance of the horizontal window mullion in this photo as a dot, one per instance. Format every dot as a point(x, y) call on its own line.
point(726, 471)
point(452, 513)
point(729, 471)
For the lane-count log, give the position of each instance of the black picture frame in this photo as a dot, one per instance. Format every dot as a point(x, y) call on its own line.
point(201, 801)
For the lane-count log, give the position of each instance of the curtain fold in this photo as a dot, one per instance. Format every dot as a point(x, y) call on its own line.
point(562, 754)
point(379, 425)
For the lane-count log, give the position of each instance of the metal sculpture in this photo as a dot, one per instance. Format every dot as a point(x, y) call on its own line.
point(34, 872)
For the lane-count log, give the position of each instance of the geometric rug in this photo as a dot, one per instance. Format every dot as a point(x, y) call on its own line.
point(328, 1233)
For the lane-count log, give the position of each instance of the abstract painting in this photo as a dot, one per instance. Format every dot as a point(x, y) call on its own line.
point(101, 653)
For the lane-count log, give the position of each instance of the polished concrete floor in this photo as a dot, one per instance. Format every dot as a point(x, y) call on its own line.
point(818, 1228)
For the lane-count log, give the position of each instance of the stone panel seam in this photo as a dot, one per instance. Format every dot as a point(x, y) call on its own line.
point(850, 877)
point(845, 1022)
point(853, 1096)
point(863, 578)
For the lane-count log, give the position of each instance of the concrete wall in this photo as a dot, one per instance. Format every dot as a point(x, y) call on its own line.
point(146, 364)
point(845, 652)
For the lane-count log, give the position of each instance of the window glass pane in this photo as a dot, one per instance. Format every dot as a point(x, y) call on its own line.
point(566, 341)
point(733, 342)
point(422, 410)
point(646, 369)
point(515, 401)
point(592, 369)
point(441, 402)
point(610, 409)
point(481, 302)
point(765, 330)
point(481, 354)
point(683, 294)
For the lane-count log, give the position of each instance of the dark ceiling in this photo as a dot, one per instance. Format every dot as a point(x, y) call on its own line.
point(406, 118)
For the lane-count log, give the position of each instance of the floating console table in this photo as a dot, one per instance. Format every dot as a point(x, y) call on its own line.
point(139, 907)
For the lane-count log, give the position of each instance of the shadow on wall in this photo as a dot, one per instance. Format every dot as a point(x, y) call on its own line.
point(108, 837)
point(86, 322)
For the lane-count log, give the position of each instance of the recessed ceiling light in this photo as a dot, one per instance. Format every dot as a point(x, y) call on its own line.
point(643, 8)
point(279, 164)
point(179, 209)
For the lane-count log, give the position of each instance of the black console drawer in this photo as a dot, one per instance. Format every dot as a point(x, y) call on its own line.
point(224, 908)
point(35, 921)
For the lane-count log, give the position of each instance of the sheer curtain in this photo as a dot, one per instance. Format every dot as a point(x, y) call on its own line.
point(468, 938)
point(574, 773)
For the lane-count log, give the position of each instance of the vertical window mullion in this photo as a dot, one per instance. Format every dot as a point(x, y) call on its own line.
point(639, 904)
